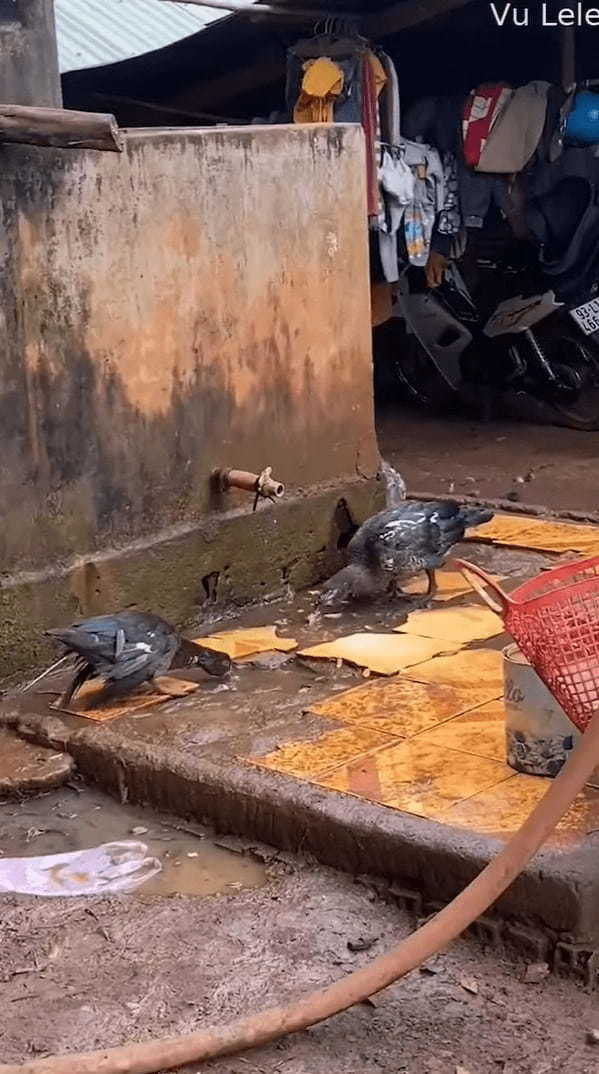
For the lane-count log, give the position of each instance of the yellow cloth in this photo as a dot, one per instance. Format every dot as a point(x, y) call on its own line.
point(321, 85)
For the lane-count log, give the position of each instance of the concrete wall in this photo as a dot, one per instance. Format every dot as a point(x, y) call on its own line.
point(200, 300)
point(28, 55)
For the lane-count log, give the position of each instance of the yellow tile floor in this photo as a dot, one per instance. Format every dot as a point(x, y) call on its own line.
point(430, 742)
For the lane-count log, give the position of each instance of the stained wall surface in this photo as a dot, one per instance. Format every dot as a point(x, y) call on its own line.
point(198, 301)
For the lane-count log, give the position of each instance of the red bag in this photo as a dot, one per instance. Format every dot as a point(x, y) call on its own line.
point(481, 110)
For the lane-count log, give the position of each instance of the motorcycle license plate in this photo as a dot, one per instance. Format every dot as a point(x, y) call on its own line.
point(587, 316)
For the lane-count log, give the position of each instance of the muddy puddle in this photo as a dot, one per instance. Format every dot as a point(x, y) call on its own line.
point(70, 820)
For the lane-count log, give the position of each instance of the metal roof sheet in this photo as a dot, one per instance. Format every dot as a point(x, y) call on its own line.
point(92, 33)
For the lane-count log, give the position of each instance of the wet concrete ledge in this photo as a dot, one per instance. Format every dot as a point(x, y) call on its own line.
point(237, 556)
point(551, 910)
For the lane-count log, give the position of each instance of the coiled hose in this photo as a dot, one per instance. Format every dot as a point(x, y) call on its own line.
point(434, 936)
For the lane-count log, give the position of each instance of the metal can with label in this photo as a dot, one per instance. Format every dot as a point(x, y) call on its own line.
point(539, 735)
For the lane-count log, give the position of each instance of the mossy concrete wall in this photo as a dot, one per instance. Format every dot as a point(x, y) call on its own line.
point(199, 301)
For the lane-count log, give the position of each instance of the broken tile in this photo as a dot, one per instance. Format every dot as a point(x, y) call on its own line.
point(417, 777)
point(247, 641)
point(539, 534)
point(88, 705)
point(466, 623)
point(450, 584)
point(384, 654)
point(476, 669)
point(480, 731)
point(309, 759)
point(398, 706)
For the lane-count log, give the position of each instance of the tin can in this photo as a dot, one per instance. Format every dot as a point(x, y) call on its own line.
point(539, 735)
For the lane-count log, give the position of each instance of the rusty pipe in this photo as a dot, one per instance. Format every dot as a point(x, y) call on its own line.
point(263, 484)
point(276, 1022)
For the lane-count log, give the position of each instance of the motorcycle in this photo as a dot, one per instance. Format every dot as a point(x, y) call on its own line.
point(494, 338)
point(501, 346)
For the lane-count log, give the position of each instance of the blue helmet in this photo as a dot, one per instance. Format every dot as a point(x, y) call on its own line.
point(583, 122)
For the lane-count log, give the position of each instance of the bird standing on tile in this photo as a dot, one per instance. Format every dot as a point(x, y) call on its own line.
point(127, 649)
point(402, 540)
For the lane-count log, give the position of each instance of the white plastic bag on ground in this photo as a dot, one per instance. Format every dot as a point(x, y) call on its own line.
point(106, 869)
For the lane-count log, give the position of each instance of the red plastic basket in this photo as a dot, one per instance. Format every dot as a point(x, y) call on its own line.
point(554, 619)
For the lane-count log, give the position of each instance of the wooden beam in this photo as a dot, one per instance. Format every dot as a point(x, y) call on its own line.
point(409, 14)
point(60, 128)
point(167, 110)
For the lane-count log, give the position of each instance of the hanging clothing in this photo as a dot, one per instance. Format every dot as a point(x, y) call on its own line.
point(515, 136)
point(450, 217)
point(373, 80)
point(395, 177)
point(479, 193)
point(481, 111)
point(347, 53)
point(322, 84)
point(390, 103)
point(419, 222)
point(428, 200)
point(397, 187)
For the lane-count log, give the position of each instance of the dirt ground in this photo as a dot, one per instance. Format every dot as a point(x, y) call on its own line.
point(85, 973)
point(531, 464)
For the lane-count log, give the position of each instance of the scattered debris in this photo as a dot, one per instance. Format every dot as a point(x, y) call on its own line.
point(536, 972)
point(139, 831)
point(373, 1001)
point(362, 944)
point(432, 967)
point(469, 985)
point(102, 931)
point(269, 661)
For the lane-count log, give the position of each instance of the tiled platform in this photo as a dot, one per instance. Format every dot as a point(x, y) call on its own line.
point(434, 749)
point(401, 777)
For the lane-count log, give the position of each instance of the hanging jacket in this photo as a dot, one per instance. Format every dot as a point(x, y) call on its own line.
point(515, 136)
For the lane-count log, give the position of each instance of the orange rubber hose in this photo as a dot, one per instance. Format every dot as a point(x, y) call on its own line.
point(276, 1022)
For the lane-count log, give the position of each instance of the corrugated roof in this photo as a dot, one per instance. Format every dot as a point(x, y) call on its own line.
point(92, 33)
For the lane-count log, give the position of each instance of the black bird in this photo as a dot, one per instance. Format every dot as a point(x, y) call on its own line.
point(127, 649)
point(402, 540)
